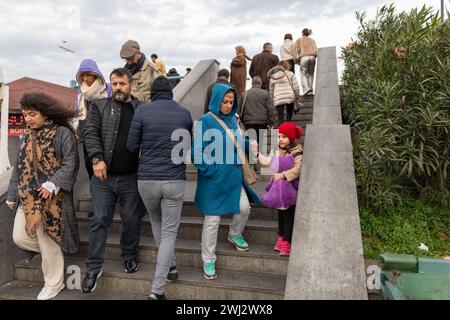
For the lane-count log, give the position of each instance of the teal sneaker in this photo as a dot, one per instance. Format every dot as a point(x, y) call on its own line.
point(239, 243)
point(209, 270)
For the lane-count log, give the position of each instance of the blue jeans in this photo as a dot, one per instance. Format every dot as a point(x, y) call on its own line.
point(104, 196)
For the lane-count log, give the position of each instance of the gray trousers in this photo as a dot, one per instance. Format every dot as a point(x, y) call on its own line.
point(211, 228)
point(164, 201)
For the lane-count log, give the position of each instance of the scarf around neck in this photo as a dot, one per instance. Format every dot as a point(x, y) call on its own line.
point(136, 67)
point(90, 93)
point(37, 163)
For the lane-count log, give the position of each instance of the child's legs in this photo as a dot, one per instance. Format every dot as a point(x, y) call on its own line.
point(281, 223)
point(288, 220)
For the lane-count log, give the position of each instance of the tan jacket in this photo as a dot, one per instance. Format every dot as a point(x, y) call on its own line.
point(305, 46)
point(292, 174)
point(280, 87)
point(142, 81)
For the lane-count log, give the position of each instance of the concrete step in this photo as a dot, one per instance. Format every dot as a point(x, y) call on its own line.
point(191, 284)
point(262, 232)
point(306, 99)
point(259, 258)
point(28, 290)
point(189, 210)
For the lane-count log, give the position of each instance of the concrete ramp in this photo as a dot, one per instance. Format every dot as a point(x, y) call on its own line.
point(327, 257)
point(191, 92)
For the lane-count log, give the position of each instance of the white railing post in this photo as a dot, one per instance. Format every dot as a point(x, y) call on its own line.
point(4, 100)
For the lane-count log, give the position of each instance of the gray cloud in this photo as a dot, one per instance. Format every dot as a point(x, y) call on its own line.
point(181, 33)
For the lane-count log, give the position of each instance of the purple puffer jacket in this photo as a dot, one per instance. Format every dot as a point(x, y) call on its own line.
point(281, 194)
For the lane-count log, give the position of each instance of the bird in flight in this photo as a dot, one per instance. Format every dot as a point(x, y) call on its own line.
point(66, 49)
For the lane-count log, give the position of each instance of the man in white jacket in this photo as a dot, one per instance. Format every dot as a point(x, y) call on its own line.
point(287, 51)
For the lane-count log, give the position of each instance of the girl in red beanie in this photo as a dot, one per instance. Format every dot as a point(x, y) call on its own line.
point(282, 189)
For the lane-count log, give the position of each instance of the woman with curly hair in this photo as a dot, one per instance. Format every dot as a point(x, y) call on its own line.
point(41, 188)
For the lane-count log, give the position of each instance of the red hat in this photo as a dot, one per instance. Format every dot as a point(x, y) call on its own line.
point(291, 131)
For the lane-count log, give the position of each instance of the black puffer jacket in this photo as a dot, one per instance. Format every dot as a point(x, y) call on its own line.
point(151, 133)
point(102, 127)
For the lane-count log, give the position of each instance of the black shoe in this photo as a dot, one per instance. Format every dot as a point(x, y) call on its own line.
point(155, 296)
point(131, 266)
point(173, 274)
point(90, 282)
point(90, 214)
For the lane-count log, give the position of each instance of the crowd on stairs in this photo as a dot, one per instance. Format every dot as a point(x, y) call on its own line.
point(126, 128)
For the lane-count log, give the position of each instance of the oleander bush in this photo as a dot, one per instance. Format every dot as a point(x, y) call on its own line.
point(396, 97)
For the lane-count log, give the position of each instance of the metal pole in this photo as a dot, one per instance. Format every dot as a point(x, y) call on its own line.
point(442, 9)
point(4, 100)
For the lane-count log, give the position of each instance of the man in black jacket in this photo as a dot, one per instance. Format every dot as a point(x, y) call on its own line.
point(115, 176)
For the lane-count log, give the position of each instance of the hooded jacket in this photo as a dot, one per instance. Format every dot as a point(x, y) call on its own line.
point(220, 179)
point(151, 134)
point(89, 65)
point(280, 87)
point(238, 69)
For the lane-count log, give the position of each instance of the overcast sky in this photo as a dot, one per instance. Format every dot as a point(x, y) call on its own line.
point(180, 32)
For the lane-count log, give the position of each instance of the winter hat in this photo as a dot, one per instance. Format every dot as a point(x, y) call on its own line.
point(129, 49)
point(291, 131)
point(161, 84)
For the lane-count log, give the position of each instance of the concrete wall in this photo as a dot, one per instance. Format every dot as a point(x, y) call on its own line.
point(326, 260)
point(191, 92)
point(9, 252)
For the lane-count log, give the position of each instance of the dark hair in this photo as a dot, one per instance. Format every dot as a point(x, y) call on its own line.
point(154, 55)
point(306, 32)
point(49, 107)
point(288, 36)
point(120, 72)
point(223, 73)
point(267, 45)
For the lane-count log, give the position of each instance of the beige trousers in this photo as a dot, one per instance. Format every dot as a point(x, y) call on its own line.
point(52, 254)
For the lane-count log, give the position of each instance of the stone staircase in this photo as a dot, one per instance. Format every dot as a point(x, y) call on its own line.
point(259, 274)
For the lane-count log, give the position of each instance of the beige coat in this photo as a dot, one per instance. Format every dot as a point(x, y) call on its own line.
point(287, 50)
point(280, 87)
point(305, 46)
point(142, 81)
point(291, 174)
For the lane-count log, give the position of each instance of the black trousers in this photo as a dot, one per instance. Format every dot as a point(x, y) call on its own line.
point(286, 223)
point(256, 127)
point(291, 62)
point(104, 195)
point(289, 110)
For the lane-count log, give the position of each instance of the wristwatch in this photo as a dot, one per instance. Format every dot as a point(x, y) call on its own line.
point(95, 161)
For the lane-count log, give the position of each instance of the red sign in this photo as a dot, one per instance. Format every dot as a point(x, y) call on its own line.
point(15, 132)
point(16, 125)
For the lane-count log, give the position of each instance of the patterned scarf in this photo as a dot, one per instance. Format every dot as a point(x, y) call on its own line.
point(37, 162)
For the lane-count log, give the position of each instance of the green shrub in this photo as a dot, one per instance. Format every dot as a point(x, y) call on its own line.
point(396, 97)
point(403, 228)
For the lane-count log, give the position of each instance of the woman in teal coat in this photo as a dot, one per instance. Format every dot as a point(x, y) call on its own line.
point(221, 189)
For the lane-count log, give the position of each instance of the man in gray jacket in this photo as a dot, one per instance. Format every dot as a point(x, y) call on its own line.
point(256, 108)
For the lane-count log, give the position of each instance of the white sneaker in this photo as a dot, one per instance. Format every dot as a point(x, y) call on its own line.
point(46, 294)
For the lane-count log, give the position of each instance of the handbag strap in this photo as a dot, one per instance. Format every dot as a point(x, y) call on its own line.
point(231, 135)
point(290, 83)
